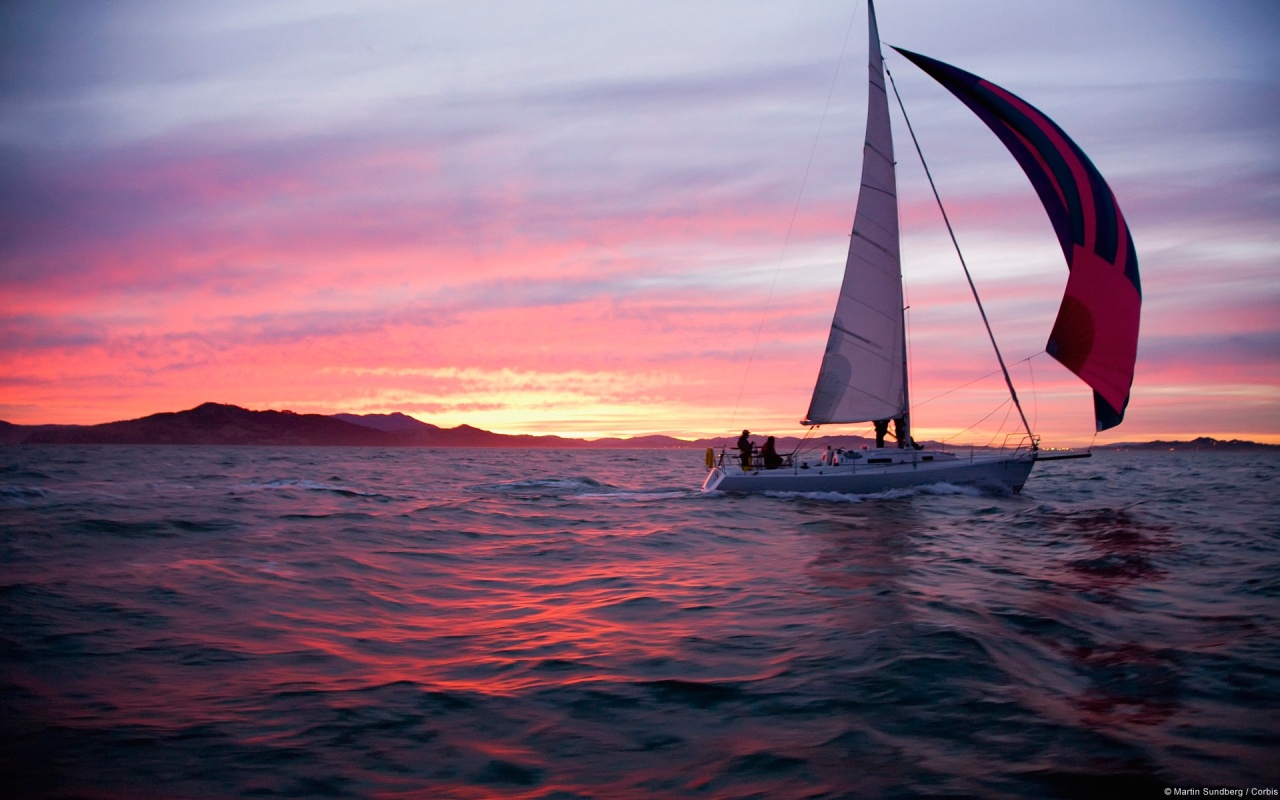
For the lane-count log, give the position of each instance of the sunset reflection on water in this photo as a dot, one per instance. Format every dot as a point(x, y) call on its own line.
point(354, 622)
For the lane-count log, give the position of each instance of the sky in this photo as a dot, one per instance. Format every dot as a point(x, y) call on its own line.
point(612, 218)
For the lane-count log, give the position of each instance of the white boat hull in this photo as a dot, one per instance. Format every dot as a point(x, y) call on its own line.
point(895, 470)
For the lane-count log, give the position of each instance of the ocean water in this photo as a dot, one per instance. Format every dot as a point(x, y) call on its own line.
point(333, 622)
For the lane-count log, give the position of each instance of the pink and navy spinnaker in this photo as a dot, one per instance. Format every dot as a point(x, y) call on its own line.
point(1096, 332)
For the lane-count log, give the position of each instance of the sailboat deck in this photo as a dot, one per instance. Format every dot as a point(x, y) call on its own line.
point(874, 471)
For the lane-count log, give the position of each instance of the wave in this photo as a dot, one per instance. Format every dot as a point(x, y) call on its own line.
point(22, 494)
point(129, 529)
point(644, 495)
point(202, 525)
point(17, 472)
point(306, 485)
point(546, 487)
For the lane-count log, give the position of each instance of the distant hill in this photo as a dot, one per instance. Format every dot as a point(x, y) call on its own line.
point(12, 434)
point(213, 423)
point(1201, 444)
point(387, 422)
point(17, 434)
point(219, 424)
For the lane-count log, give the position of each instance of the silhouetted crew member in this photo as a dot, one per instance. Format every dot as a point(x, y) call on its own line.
point(744, 448)
point(771, 458)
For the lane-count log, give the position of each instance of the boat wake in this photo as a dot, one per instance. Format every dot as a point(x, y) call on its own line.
point(545, 487)
point(581, 488)
point(940, 488)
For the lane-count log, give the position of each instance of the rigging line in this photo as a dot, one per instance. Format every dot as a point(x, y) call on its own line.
point(1035, 396)
point(800, 444)
point(972, 287)
point(954, 389)
point(906, 325)
point(958, 388)
point(1003, 404)
point(1000, 427)
point(786, 241)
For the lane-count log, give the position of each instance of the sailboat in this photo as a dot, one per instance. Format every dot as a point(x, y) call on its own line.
point(863, 376)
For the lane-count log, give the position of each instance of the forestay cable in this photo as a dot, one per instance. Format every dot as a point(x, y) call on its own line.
point(972, 287)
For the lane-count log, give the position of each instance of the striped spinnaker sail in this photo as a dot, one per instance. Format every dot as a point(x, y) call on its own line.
point(1096, 332)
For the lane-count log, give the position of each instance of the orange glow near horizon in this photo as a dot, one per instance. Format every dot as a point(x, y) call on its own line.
point(643, 356)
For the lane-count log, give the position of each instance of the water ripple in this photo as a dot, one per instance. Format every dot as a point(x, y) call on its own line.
point(356, 622)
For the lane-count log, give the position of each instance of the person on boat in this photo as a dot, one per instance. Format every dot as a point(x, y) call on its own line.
point(882, 427)
point(904, 442)
point(827, 455)
point(744, 448)
point(771, 458)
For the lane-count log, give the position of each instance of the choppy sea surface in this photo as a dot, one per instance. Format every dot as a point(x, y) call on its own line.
point(352, 622)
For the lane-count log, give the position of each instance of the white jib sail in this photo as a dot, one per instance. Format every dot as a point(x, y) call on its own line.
point(863, 369)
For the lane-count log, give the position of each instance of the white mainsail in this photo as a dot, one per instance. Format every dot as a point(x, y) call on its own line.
point(863, 374)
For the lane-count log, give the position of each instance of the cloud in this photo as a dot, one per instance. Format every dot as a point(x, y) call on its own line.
point(632, 223)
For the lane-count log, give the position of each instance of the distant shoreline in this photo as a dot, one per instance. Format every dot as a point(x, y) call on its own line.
point(228, 425)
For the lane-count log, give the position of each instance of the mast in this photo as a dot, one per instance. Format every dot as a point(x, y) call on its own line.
point(863, 372)
point(905, 432)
